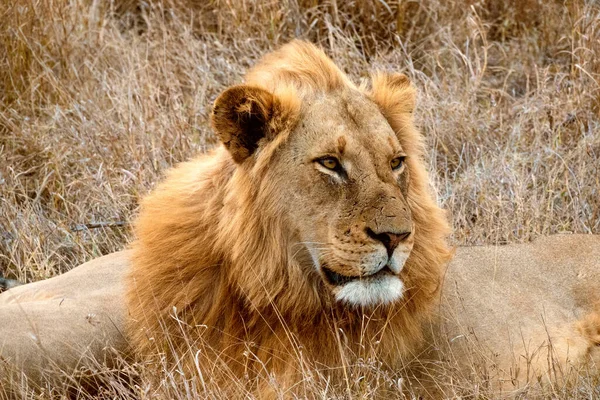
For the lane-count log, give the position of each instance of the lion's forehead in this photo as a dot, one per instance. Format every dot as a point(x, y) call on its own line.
point(349, 114)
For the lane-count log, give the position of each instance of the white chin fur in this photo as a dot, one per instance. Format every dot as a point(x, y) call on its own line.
point(371, 292)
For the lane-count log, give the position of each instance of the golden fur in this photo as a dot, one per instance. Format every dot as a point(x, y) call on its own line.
point(217, 265)
point(517, 320)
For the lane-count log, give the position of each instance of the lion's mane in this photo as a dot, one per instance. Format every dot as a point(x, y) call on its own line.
point(213, 266)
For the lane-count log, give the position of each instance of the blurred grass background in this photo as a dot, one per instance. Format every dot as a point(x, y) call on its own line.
point(98, 98)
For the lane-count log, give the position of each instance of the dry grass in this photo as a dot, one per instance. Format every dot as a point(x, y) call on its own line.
point(99, 98)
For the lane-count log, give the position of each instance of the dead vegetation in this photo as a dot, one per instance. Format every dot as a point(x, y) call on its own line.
point(99, 98)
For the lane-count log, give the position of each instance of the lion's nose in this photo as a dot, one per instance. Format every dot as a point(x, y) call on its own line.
point(390, 240)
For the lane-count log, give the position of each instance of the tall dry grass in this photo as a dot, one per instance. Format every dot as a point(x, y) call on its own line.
point(99, 98)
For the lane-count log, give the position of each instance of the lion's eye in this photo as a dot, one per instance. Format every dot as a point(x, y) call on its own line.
point(329, 163)
point(397, 163)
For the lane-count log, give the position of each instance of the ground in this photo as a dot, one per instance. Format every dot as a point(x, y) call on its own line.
point(98, 99)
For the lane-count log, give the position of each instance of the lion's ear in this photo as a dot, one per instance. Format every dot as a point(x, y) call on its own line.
point(240, 118)
point(393, 92)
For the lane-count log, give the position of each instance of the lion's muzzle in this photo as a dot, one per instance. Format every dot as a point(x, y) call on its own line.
point(376, 278)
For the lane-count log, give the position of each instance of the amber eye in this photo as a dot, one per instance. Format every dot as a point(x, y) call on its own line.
point(329, 163)
point(397, 162)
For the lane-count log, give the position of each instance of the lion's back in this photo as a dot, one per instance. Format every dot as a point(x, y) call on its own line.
point(75, 319)
point(512, 308)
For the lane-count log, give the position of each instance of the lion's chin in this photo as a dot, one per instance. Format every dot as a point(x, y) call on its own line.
point(379, 290)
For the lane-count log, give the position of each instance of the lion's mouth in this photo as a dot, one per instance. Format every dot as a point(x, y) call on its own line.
point(336, 279)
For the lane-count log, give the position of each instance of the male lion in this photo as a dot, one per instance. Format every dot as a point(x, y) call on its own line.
point(312, 222)
point(310, 242)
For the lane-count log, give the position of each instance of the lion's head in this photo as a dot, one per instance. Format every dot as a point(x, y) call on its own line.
point(327, 163)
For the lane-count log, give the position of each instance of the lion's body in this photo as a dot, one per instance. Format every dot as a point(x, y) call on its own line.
point(71, 321)
point(515, 315)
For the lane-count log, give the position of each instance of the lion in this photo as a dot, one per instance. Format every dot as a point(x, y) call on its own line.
point(315, 213)
point(310, 240)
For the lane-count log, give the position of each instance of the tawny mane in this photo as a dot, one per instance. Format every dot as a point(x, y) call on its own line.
point(214, 266)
